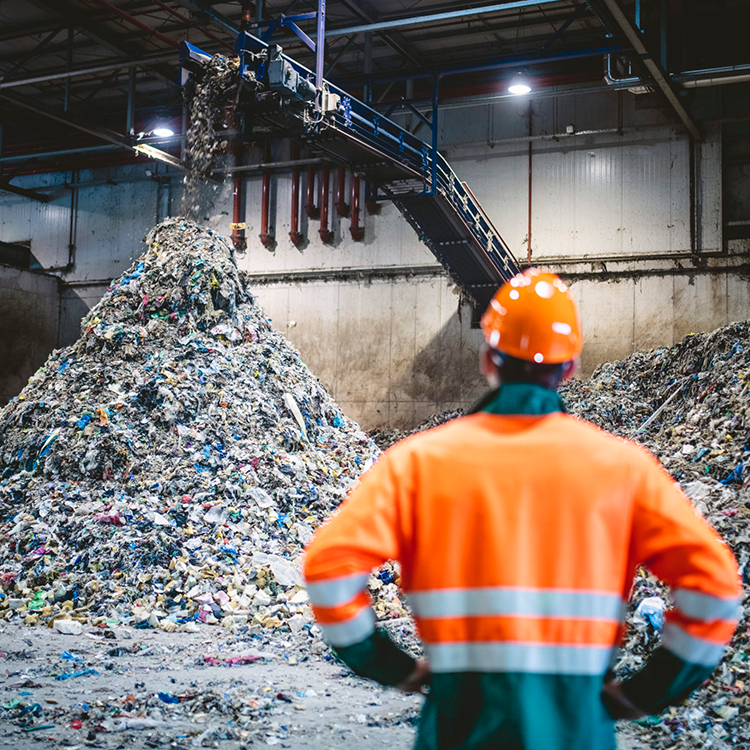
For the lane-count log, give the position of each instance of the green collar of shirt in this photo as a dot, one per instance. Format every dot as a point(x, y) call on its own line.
point(519, 398)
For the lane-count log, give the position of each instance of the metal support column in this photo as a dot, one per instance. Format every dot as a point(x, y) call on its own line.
point(646, 62)
point(130, 126)
point(320, 44)
point(408, 124)
point(435, 94)
point(368, 67)
point(71, 33)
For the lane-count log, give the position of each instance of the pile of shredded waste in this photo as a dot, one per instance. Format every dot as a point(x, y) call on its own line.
point(169, 466)
point(386, 438)
point(689, 405)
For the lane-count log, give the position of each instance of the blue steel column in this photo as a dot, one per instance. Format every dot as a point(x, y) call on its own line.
point(320, 44)
point(435, 89)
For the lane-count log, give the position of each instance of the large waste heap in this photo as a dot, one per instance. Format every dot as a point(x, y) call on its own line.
point(170, 465)
point(689, 404)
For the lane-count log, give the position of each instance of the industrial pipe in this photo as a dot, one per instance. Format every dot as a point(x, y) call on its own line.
point(528, 235)
point(265, 210)
point(342, 207)
point(294, 234)
point(310, 209)
point(326, 235)
point(357, 231)
point(73, 228)
point(135, 22)
point(432, 18)
point(193, 25)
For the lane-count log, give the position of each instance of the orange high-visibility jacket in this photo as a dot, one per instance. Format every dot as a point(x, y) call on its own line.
point(519, 538)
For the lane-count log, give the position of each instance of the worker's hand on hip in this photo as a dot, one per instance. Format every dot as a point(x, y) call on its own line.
point(617, 704)
point(418, 679)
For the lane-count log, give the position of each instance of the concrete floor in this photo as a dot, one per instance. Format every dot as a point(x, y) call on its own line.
point(286, 698)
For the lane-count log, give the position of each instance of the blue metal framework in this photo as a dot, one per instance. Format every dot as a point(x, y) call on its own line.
point(407, 171)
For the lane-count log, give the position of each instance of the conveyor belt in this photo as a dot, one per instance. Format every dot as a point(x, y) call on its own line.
point(446, 215)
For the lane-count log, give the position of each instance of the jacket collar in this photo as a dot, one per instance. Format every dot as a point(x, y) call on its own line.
point(519, 398)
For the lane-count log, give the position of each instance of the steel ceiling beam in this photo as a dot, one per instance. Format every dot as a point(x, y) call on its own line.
point(29, 56)
point(120, 13)
point(396, 44)
point(610, 11)
point(209, 15)
point(6, 187)
point(105, 134)
point(577, 13)
point(168, 57)
point(506, 61)
point(71, 16)
point(436, 17)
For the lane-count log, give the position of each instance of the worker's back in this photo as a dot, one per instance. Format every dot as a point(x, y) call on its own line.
point(518, 537)
point(516, 571)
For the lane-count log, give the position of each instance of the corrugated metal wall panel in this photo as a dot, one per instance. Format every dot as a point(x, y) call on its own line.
point(393, 352)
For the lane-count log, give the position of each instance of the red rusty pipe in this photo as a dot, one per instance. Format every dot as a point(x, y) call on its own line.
point(326, 235)
point(294, 234)
point(342, 208)
point(194, 25)
point(135, 22)
point(357, 232)
point(310, 209)
point(265, 210)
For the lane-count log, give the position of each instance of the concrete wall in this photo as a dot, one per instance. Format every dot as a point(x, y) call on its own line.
point(29, 314)
point(379, 321)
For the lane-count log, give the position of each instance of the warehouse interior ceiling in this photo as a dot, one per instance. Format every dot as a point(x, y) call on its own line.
point(73, 70)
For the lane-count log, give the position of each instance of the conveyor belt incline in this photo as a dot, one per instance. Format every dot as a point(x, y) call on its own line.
point(441, 209)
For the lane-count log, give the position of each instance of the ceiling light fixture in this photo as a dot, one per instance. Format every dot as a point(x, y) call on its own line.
point(519, 84)
point(162, 131)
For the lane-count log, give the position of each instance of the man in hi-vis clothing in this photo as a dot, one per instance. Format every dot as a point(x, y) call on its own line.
point(519, 530)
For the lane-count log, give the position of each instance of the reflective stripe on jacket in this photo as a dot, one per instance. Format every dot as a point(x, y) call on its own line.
point(518, 538)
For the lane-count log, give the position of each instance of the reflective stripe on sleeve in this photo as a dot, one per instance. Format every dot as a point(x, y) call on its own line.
point(336, 591)
point(689, 648)
point(529, 658)
point(704, 607)
point(511, 600)
point(351, 631)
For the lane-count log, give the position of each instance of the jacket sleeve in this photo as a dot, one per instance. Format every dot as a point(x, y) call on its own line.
point(368, 529)
point(672, 540)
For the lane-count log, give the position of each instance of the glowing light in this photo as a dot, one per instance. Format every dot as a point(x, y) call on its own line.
point(514, 294)
point(539, 358)
point(163, 131)
point(519, 84)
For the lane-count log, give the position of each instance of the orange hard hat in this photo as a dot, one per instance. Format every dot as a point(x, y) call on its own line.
point(533, 317)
